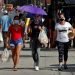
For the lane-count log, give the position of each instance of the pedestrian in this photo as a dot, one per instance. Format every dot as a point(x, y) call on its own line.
point(36, 26)
point(5, 22)
point(16, 42)
point(62, 29)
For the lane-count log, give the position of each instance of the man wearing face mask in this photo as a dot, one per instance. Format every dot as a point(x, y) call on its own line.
point(61, 36)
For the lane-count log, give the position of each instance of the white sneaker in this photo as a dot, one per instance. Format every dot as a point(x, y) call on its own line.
point(36, 68)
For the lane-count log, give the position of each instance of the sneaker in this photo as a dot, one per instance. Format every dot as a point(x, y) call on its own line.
point(14, 69)
point(36, 68)
point(65, 66)
point(60, 68)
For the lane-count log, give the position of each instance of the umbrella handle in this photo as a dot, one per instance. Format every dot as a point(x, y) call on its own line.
point(27, 21)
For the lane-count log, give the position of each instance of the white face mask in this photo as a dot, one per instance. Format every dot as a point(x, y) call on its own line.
point(16, 21)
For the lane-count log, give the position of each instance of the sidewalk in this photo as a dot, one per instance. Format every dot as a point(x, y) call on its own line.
point(48, 64)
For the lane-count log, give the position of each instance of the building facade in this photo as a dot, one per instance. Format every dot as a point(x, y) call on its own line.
point(23, 2)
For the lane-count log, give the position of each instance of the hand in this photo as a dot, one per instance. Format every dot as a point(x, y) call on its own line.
point(35, 26)
point(43, 27)
point(40, 28)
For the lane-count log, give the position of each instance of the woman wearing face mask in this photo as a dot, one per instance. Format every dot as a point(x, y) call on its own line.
point(61, 36)
point(16, 42)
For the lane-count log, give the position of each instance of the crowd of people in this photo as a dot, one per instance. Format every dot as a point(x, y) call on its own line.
point(14, 34)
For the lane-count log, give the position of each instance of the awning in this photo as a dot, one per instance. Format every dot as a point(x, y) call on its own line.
point(69, 1)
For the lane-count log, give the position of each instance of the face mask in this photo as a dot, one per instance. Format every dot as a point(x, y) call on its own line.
point(61, 19)
point(36, 21)
point(16, 21)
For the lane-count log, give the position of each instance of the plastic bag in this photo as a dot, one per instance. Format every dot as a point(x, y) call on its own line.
point(1, 38)
point(43, 37)
point(5, 55)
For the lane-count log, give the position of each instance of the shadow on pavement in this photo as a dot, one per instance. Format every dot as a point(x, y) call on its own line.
point(1, 48)
point(71, 68)
point(11, 69)
point(22, 68)
point(30, 56)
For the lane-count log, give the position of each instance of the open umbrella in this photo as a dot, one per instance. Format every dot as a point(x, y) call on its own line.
point(32, 9)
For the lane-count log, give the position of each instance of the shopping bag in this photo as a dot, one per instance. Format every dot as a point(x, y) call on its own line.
point(5, 55)
point(43, 37)
point(1, 38)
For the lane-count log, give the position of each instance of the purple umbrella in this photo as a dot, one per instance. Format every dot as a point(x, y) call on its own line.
point(32, 9)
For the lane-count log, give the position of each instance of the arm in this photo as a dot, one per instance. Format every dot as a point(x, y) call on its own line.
point(22, 31)
point(71, 28)
point(9, 35)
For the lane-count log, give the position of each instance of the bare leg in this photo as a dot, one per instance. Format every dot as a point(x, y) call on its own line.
point(17, 55)
point(13, 56)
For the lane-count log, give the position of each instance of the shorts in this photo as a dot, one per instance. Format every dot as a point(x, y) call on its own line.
point(16, 42)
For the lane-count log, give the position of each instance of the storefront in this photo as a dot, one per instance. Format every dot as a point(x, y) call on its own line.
point(69, 8)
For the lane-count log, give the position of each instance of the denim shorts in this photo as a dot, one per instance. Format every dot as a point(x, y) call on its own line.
point(16, 42)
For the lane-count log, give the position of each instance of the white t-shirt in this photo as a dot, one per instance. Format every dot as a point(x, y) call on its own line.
point(62, 31)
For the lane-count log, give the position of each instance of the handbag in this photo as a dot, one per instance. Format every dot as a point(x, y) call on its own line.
point(5, 55)
point(43, 37)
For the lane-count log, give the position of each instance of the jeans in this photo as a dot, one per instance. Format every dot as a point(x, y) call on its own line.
point(16, 42)
point(36, 51)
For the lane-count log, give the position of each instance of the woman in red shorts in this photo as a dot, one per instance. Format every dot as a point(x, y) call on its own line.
point(16, 42)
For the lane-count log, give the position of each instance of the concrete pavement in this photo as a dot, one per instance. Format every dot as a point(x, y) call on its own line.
point(48, 64)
